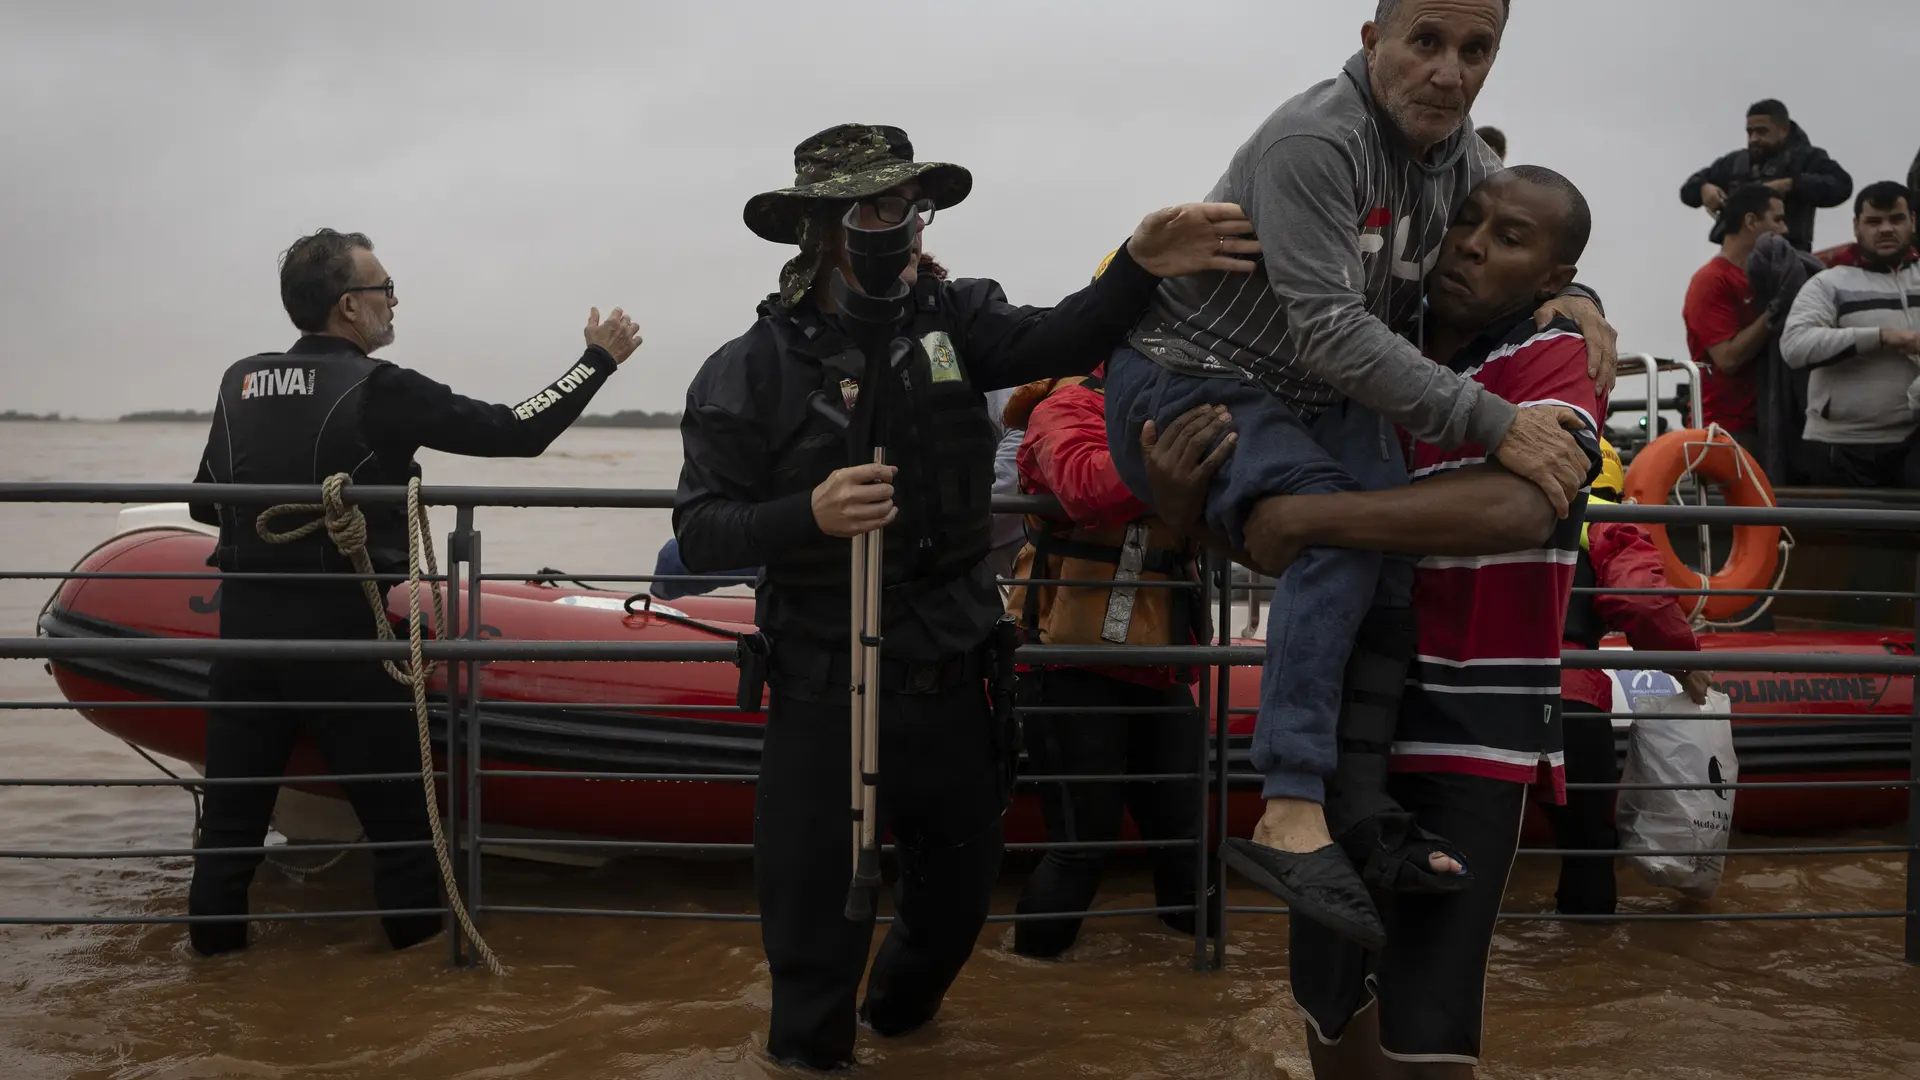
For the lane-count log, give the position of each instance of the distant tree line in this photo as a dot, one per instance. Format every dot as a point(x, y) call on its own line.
point(15, 414)
point(167, 416)
point(630, 418)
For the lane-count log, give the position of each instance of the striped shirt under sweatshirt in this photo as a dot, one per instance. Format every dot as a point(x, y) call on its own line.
point(1484, 694)
point(1857, 393)
point(1349, 223)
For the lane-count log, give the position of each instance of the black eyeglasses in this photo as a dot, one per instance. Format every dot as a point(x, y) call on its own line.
point(893, 209)
point(385, 287)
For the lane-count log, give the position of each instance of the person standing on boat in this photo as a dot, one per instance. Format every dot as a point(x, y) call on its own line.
point(1480, 719)
point(1726, 331)
point(1857, 329)
point(1613, 555)
point(766, 483)
point(1780, 157)
point(1350, 186)
point(326, 406)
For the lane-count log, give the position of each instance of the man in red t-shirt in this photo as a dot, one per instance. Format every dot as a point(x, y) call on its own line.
point(1726, 333)
point(1480, 720)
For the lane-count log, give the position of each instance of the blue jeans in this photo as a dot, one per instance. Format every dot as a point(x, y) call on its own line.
point(1319, 601)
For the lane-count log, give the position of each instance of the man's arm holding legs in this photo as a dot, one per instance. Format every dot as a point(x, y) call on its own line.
point(1477, 510)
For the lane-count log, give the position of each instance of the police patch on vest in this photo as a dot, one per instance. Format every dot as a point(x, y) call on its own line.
point(941, 356)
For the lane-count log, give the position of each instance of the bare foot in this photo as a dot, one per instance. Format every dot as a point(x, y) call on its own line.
point(1295, 825)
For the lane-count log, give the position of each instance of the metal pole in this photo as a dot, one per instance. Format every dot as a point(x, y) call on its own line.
point(1653, 392)
point(1913, 802)
point(471, 777)
point(1223, 702)
point(1201, 603)
point(456, 552)
point(866, 746)
point(856, 691)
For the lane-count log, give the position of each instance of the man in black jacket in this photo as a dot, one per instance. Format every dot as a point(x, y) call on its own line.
point(326, 406)
point(767, 483)
point(1779, 155)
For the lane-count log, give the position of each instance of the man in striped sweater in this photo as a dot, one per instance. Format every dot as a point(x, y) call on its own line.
point(1858, 329)
point(1480, 720)
point(1349, 187)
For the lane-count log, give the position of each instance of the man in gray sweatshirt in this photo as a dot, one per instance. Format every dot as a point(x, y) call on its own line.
point(1350, 187)
point(1858, 329)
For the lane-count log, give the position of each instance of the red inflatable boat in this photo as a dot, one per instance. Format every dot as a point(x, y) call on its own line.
point(655, 733)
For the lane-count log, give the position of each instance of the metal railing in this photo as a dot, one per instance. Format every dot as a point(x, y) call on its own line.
point(459, 711)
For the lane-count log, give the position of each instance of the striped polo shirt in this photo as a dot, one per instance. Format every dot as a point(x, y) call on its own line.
point(1483, 696)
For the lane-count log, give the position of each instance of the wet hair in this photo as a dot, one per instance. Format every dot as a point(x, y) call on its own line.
point(1576, 228)
point(1384, 12)
point(1770, 108)
point(1743, 200)
point(1495, 138)
point(930, 267)
point(1884, 195)
point(315, 272)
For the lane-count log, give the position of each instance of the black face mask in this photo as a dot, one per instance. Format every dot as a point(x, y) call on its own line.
point(878, 257)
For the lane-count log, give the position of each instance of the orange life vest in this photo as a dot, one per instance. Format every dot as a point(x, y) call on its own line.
point(1144, 550)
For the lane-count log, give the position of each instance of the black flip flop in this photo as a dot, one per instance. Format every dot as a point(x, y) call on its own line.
point(1392, 853)
point(1320, 885)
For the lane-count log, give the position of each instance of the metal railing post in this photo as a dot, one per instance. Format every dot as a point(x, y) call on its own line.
point(1222, 717)
point(1201, 712)
point(472, 775)
point(1912, 951)
point(458, 551)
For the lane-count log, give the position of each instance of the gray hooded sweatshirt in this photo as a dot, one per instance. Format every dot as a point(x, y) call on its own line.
point(1349, 224)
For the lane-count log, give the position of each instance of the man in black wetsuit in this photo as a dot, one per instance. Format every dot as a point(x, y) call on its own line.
point(767, 483)
point(326, 406)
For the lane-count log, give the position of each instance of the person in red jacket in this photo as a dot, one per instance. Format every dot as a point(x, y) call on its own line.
point(1613, 555)
point(1110, 535)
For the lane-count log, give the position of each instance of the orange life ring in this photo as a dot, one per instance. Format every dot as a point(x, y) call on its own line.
point(1715, 456)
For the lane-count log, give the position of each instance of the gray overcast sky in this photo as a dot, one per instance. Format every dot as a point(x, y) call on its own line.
point(515, 164)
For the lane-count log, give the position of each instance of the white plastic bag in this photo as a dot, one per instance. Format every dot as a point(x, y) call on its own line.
point(1671, 744)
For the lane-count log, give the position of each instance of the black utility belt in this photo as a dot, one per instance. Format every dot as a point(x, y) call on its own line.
point(832, 668)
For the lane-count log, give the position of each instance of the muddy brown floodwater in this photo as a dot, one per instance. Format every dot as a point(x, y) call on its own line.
point(591, 998)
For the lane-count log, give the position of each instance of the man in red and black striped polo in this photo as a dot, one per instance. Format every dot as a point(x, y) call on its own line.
point(1481, 717)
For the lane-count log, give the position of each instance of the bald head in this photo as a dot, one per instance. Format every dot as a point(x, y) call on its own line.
point(1575, 226)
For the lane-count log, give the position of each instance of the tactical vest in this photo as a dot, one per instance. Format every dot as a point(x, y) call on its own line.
point(936, 431)
point(1585, 627)
point(1144, 550)
point(294, 418)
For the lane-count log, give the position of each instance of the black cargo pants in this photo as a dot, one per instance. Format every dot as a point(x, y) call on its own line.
point(1102, 743)
point(259, 741)
point(940, 796)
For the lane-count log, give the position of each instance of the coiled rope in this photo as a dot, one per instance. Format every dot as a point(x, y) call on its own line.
point(346, 526)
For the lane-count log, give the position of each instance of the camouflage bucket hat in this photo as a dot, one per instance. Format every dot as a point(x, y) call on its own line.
point(851, 162)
